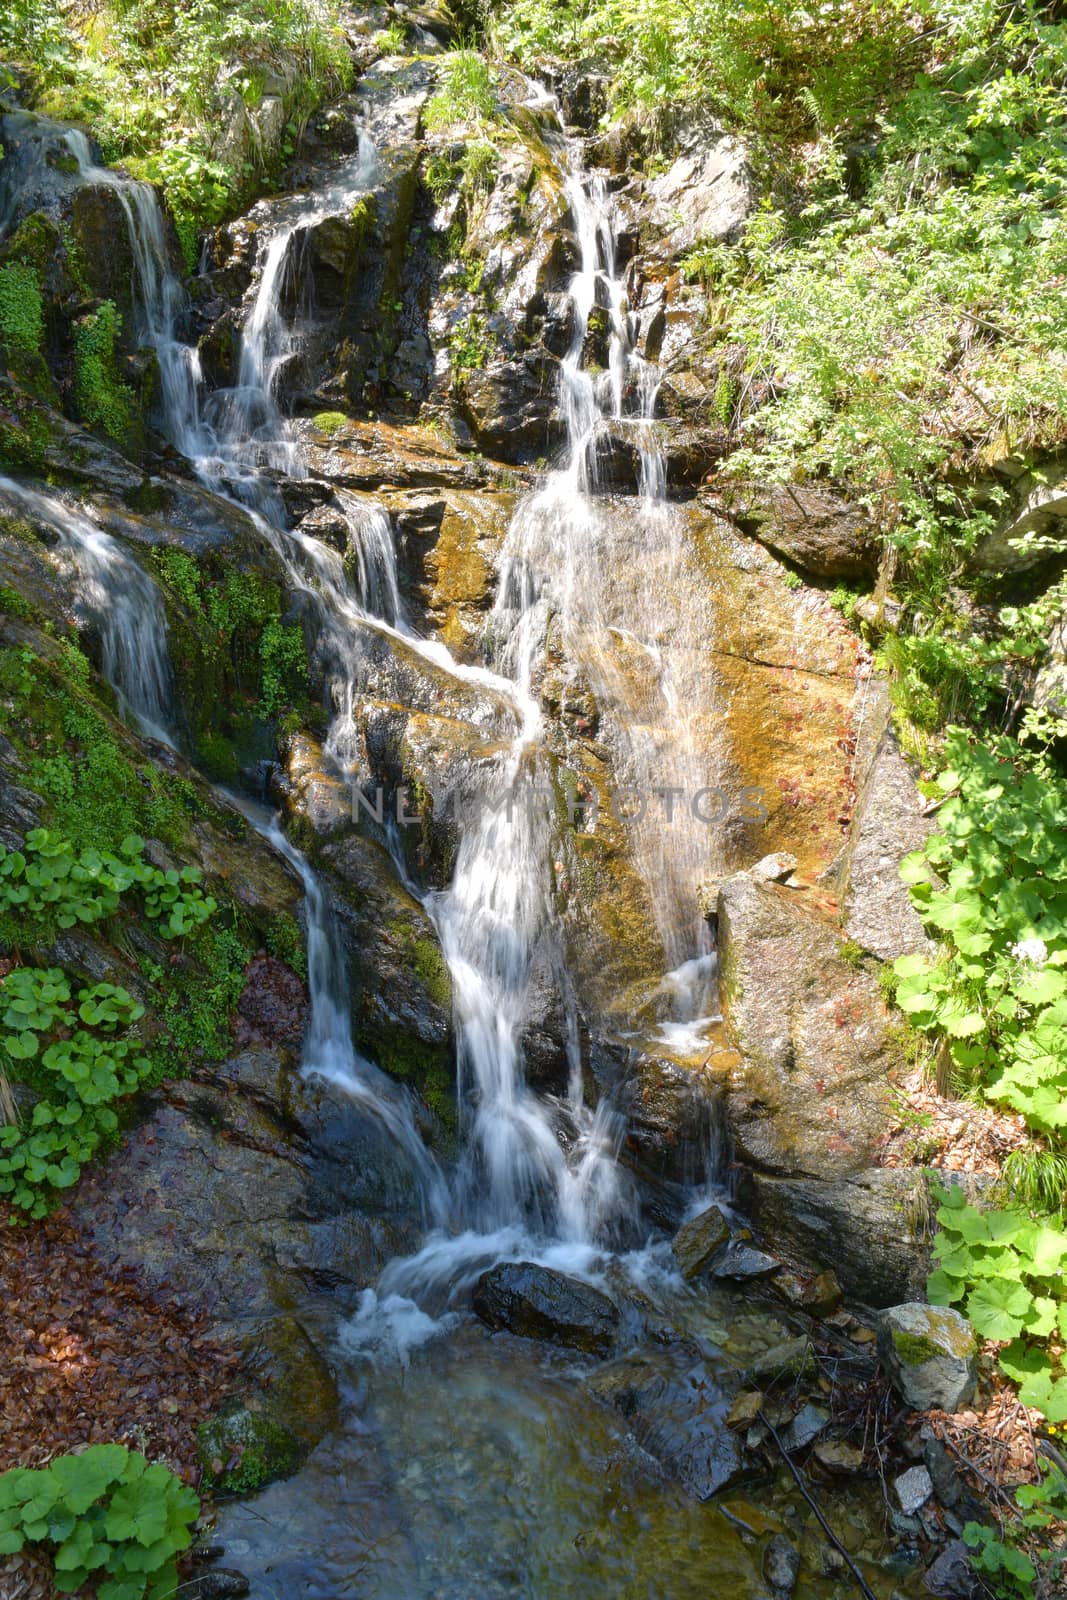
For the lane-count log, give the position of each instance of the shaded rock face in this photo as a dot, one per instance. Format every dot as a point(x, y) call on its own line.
point(870, 1228)
point(929, 1353)
point(1038, 508)
point(257, 1194)
point(810, 1095)
point(540, 1303)
point(816, 530)
point(273, 1007)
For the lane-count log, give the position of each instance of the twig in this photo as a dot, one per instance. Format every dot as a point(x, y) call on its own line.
point(826, 1528)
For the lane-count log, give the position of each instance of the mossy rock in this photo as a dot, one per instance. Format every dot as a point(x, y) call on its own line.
point(913, 1349)
point(242, 1451)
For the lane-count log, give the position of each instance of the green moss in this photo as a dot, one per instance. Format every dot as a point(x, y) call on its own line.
point(913, 1349)
point(285, 942)
point(330, 422)
point(283, 654)
point(413, 1061)
point(104, 401)
point(431, 967)
point(21, 309)
point(13, 604)
point(261, 1451)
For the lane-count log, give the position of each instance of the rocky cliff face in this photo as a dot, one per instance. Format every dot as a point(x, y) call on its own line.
point(433, 316)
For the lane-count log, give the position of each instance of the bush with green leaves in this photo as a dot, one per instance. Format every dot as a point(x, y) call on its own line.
point(107, 1516)
point(1023, 1564)
point(48, 879)
point(75, 1051)
point(146, 76)
point(1004, 1269)
point(466, 92)
point(997, 991)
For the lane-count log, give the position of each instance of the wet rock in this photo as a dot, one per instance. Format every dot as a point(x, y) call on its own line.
point(745, 1409)
point(214, 1192)
point(781, 1564)
point(951, 1575)
point(806, 1426)
point(273, 1005)
point(678, 1413)
point(913, 1489)
point(811, 1093)
point(815, 529)
point(888, 823)
point(699, 1240)
point(509, 407)
point(540, 1303)
point(363, 455)
point(222, 1584)
point(670, 1111)
point(819, 1296)
point(929, 1354)
point(870, 1228)
point(838, 1456)
point(740, 1263)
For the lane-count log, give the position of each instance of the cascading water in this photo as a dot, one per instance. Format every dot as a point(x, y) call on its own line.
point(119, 598)
point(498, 907)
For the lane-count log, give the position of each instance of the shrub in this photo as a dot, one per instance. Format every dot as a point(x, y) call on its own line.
point(109, 1517)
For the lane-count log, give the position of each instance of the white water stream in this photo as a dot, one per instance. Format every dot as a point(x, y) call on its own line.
point(514, 1176)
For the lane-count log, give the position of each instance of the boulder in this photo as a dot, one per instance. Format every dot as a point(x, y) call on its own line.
point(913, 1489)
point(815, 529)
point(739, 1263)
point(929, 1354)
point(706, 193)
point(810, 1095)
point(869, 1227)
point(888, 823)
point(1038, 509)
point(951, 1576)
point(540, 1303)
point(781, 1564)
point(699, 1240)
point(678, 1413)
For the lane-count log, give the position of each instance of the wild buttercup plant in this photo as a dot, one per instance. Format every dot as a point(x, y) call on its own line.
point(108, 1516)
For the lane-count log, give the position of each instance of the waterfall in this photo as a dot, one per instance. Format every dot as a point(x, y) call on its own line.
point(158, 297)
point(557, 559)
point(118, 597)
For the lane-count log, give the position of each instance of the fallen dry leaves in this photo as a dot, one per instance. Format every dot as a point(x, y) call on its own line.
point(955, 1135)
point(89, 1354)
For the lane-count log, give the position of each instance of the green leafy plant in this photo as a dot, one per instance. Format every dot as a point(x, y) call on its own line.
point(21, 310)
point(108, 1517)
point(1017, 1561)
point(104, 400)
point(1005, 1270)
point(78, 1056)
point(48, 878)
point(998, 990)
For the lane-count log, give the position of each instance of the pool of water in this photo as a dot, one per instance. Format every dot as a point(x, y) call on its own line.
point(485, 1468)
